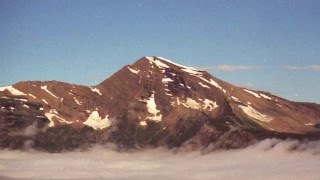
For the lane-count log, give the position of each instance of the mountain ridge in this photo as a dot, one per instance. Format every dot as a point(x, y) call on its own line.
point(158, 101)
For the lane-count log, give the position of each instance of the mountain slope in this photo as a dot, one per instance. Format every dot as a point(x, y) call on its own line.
point(160, 102)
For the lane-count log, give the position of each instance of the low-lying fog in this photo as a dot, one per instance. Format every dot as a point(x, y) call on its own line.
point(269, 159)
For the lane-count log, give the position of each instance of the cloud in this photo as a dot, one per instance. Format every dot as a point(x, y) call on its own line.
point(248, 85)
point(244, 68)
point(231, 68)
point(269, 159)
point(312, 67)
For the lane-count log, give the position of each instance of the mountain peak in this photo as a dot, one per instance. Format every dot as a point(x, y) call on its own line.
point(164, 63)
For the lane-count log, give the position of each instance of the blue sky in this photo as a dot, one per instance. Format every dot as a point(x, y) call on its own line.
point(266, 45)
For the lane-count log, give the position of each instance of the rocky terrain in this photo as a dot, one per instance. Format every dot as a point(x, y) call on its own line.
point(152, 102)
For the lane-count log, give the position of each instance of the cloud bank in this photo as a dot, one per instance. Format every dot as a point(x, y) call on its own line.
point(312, 67)
point(245, 68)
point(269, 159)
point(231, 68)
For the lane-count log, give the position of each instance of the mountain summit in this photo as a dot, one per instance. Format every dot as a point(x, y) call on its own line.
point(159, 102)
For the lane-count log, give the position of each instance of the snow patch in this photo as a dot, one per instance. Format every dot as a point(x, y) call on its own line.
point(252, 93)
point(250, 111)
point(210, 104)
point(190, 70)
point(160, 64)
point(46, 89)
point(205, 104)
point(265, 96)
point(272, 129)
point(309, 124)
point(166, 80)
point(191, 103)
point(53, 113)
point(12, 90)
point(45, 101)
point(235, 99)
point(173, 74)
point(94, 89)
point(96, 122)
point(143, 123)
point(203, 85)
point(76, 100)
point(32, 96)
point(150, 59)
point(152, 109)
point(23, 100)
point(134, 71)
point(26, 106)
point(212, 82)
point(50, 116)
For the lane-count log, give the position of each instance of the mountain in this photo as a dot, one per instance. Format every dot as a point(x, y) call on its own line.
point(151, 102)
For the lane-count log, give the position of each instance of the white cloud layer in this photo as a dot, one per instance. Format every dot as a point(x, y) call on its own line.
point(243, 68)
point(270, 159)
point(231, 68)
point(312, 67)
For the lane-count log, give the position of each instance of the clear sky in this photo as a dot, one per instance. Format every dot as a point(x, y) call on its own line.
point(265, 45)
